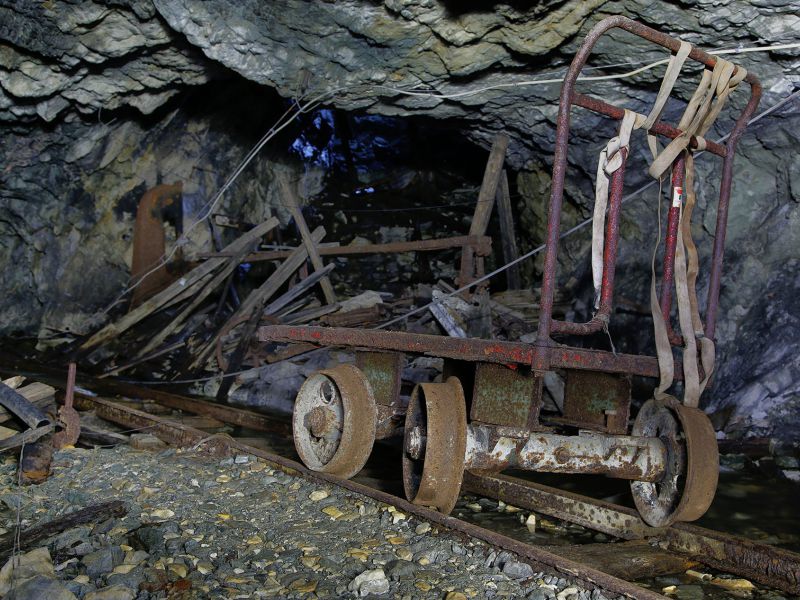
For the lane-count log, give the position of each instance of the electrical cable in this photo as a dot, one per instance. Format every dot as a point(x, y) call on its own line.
point(485, 277)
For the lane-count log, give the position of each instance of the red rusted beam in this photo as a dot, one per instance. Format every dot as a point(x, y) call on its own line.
point(467, 349)
point(659, 127)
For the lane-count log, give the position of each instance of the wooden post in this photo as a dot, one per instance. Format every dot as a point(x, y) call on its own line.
point(509, 240)
point(484, 205)
point(313, 254)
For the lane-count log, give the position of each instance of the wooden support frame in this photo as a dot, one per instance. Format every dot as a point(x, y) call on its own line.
point(472, 265)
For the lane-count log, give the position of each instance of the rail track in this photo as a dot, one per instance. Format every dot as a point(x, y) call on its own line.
point(759, 562)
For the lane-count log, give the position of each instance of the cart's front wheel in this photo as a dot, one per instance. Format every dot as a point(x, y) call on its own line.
point(689, 483)
point(333, 422)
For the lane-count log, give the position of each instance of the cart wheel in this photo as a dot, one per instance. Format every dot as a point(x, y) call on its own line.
point(434, 444)
point(692, 467)
point(334, 421)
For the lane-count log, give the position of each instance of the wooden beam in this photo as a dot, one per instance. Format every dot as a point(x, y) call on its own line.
point(291, 201)
point(480, 244)
point(484, 205)
point(507, 234)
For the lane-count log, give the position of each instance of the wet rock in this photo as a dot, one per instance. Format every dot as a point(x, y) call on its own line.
point(517, 570)
point(114, 592)
point(28, 565)
point(40, 586)
point(102, 561)
point(370, 582)
point(400, 569)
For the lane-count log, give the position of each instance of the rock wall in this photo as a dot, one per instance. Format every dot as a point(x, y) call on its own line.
point(93, 97)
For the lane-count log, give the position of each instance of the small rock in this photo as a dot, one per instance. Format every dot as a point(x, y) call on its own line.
point(404, 554)
point(241, 459)
point(40, 586)
point(455, 596)
point(318, 495)
point(114, 592)
point(518, 570)
point(204, 567)
point(372, 581)
point(423, 528)
point(179, 570)
point(332, 512)
point(566, 593)
point(102, 561)
point(146, 441)
point(162, 513)
point(530, 523)
point(400, 569)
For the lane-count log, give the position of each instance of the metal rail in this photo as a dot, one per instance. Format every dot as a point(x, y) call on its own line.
point(185, 436)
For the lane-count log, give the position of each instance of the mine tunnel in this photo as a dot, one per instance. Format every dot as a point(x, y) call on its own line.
point(309, 299)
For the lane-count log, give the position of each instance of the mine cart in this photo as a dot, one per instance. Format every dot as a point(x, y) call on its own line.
point(484, 413)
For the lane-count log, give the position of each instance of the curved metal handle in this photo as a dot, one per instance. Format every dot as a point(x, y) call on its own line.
point(567, 98)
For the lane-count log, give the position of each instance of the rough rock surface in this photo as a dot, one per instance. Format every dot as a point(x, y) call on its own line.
point(76, 78)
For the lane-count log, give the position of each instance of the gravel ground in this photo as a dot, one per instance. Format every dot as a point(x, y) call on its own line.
point(201, 528)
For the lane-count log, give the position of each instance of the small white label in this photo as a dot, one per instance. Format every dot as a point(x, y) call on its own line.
point(677, 196)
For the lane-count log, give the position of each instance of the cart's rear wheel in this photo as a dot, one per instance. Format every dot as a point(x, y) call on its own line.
point(334, 421)
point(434, 444)
point(692, 467)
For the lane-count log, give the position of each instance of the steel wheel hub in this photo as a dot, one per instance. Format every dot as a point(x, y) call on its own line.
point(333, 421)
point(692, 467)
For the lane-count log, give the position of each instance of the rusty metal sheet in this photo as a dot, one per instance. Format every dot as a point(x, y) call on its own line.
point(382, 370)
point(506, 396)
point(599, 401)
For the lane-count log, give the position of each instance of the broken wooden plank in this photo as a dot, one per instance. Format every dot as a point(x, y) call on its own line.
point(630, 560)
point(446, 320)
point(31, 536)
point(190, 308)
point(292, 202)
point(158, 301)
point(264, 291)
point(306, 316)
point(306, 284)
point(482, 245)
point(508, 237)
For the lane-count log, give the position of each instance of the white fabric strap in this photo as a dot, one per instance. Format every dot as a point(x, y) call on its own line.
point(610, 160)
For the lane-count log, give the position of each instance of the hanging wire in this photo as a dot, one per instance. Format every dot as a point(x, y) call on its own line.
point(289, 117)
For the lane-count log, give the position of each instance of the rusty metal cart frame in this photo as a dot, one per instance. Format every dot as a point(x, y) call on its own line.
point(340, 411)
